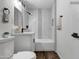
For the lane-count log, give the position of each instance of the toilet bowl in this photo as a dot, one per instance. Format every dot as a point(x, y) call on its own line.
point(25, 55)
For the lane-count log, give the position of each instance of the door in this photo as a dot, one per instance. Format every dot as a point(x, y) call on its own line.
point(68, 46)
point(75, 28)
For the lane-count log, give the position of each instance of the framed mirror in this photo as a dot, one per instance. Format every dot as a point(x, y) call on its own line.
point(18, 20)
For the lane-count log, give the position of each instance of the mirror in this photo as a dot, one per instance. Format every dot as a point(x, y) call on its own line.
point(6, 13)
point(18, 20)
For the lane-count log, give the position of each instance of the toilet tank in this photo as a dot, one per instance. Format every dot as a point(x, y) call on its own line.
point(6, 47)
point(24, 42)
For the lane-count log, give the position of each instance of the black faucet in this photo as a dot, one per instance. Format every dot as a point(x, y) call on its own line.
point(22, 30)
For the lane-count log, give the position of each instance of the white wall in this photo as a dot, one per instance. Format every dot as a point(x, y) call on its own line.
point(59, 12)
point(39, 23)
point(25, 19)
point(47, 24)
point(26, 16)
point(54, 22)
point(33, 21)
point(8, 26)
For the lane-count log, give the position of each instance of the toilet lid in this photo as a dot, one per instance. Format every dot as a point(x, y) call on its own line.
point(24, 55)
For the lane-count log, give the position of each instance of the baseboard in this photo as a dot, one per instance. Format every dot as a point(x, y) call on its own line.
point(59, 55)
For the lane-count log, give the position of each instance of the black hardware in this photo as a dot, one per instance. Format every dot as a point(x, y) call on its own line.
point(22, 30)
point(61, 16)
point(75, 35)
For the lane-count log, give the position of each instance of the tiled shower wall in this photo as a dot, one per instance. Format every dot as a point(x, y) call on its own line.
point(33, 21)
point(39, 24)
point(47, 24)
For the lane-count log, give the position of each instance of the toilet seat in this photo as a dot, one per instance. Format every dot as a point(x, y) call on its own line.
point(25, 55)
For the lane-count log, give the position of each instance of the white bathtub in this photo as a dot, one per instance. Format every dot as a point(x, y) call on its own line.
point(44, 45)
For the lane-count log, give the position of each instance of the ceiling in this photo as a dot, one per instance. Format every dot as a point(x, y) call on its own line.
point(40, 3)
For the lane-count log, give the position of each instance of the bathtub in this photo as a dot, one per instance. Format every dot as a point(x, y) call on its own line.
point(44, 45)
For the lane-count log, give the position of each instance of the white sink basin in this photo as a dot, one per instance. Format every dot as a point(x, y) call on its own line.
point(6, 39)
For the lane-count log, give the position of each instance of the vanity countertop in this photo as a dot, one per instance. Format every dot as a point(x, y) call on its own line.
point(24, 33)
point(6, 39)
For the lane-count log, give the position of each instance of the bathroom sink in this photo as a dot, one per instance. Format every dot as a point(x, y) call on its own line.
point(6, 39)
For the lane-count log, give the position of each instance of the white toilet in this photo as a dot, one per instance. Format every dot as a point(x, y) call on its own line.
point(24, 46)
point(24, 55)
